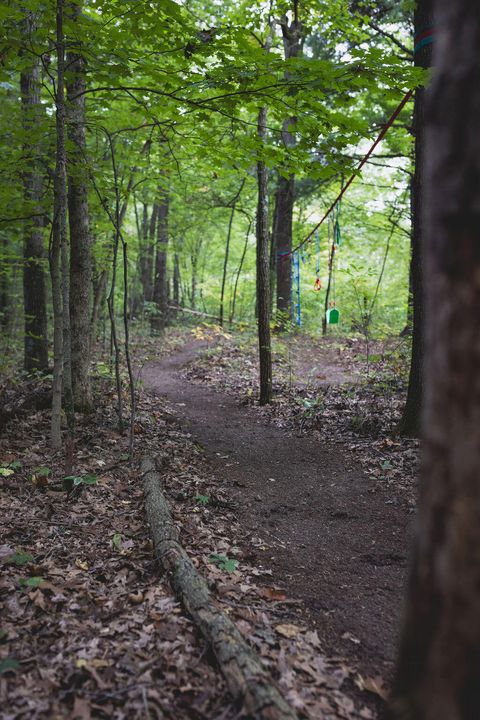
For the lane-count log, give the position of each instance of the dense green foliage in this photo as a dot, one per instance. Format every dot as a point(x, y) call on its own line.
point(173, 91)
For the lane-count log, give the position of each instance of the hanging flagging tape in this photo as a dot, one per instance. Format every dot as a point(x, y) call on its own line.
point(364, 160)
point(318, 283)
point(296, 280)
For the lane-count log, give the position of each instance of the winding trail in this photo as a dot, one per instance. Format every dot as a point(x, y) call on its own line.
point(331, 542)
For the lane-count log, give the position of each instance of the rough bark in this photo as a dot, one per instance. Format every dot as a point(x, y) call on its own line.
point(247, 680)
point(59, 232)
point(263, 273)
point(34, 287)
point(160, 286)
point(80, 237)
point(438, 670)
point(410, 422)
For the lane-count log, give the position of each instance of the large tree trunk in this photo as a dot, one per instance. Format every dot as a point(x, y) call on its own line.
point(160, 286)
point(263, 276)
point(438, 671)
point(80, 238)
point(285, 195)
point(410, 422)
point(34, 290)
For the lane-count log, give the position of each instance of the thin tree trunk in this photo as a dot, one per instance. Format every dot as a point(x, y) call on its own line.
point(146, 236)
point(263, 278)
point(285, 196)
point(98, 299)
point(176, 280)
point(283, 244)
point(227, 250)
point(242, 259)
point(410, 422)
point(160, 286)
point(59, 231)
point(193, 299)
point(150, 255)
point(437, 674)
point(34, 289)
point(273, 255)
point(80, 237)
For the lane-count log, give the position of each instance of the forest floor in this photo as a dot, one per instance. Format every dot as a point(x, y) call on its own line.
point(297, 515)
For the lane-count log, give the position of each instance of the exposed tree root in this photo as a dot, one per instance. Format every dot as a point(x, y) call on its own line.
point(248, 681)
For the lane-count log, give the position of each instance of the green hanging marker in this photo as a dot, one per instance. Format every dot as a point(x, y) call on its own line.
point(338, 233)
point(333, 316)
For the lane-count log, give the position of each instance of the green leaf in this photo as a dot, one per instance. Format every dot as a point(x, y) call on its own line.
point(19, 558)
point(31, 582)
point(42, 471)
point(89, 479)
point(9, 665)
point(117, 541)
point(202, 499)
point(72, 481)
point(224, 563)
point(5, 471)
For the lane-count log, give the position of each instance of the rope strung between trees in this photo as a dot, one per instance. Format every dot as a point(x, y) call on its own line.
point(365, 159)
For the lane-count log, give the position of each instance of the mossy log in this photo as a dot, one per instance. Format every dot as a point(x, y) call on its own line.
point(248, 681)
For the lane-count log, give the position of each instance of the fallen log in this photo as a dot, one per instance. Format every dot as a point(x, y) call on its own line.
point(248, 681)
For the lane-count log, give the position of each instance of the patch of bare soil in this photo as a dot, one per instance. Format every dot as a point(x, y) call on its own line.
point(323, 501)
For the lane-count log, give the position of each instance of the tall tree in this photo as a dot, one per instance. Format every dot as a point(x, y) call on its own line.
point(410, 422)
point(285, 195)
point(80, 238)
point(34, 289)
point(438, 669)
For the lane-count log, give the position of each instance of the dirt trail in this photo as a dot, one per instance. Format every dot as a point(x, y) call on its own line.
point(331, 541)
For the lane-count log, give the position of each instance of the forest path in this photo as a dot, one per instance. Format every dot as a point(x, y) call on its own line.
point(330, 541)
